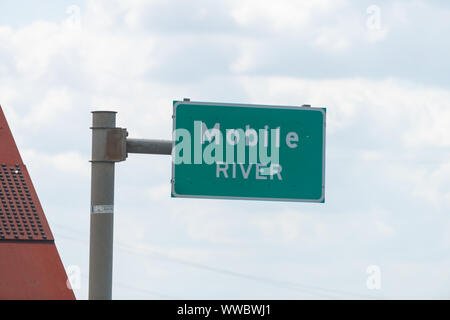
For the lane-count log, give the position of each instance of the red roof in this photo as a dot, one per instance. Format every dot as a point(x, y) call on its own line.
point(30, 266)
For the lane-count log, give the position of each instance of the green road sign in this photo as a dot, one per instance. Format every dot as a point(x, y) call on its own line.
point(254, 152)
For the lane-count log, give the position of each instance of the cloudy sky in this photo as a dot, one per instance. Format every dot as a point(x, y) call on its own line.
point(379, 67)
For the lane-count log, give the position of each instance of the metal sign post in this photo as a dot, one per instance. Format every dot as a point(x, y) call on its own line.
point(109, 145)
point(298, 175)
point(102, 208)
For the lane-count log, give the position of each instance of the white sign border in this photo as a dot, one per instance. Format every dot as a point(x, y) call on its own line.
point(220, 104)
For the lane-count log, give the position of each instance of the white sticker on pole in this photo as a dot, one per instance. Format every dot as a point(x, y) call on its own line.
point(102, 208)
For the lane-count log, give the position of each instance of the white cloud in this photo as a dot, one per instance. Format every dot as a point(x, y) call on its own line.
point(55, 103)
point(280, 15)
point(315, 230)
point(70, 162)
point(416, 116)
point(202, 223)
point(247, 58)
point(384, 228)
point(137, 56)
point(159, 192)
point(433, 185)
point(292, 227)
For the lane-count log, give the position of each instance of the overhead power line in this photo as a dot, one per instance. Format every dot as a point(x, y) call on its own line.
point(304, 288)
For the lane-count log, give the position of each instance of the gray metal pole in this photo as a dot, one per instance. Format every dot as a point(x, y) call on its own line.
point(149, 146)
point(109, 145)
point(102, 208)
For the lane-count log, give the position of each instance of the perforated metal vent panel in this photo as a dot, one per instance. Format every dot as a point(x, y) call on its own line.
point(21, 216)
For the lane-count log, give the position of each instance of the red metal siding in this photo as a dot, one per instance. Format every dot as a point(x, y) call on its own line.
point(30, 266)
point(32, 270)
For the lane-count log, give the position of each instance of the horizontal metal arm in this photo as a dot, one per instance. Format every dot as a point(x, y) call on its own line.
point(149, 146)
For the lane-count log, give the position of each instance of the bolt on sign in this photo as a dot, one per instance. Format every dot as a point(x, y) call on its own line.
point(253, 152)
